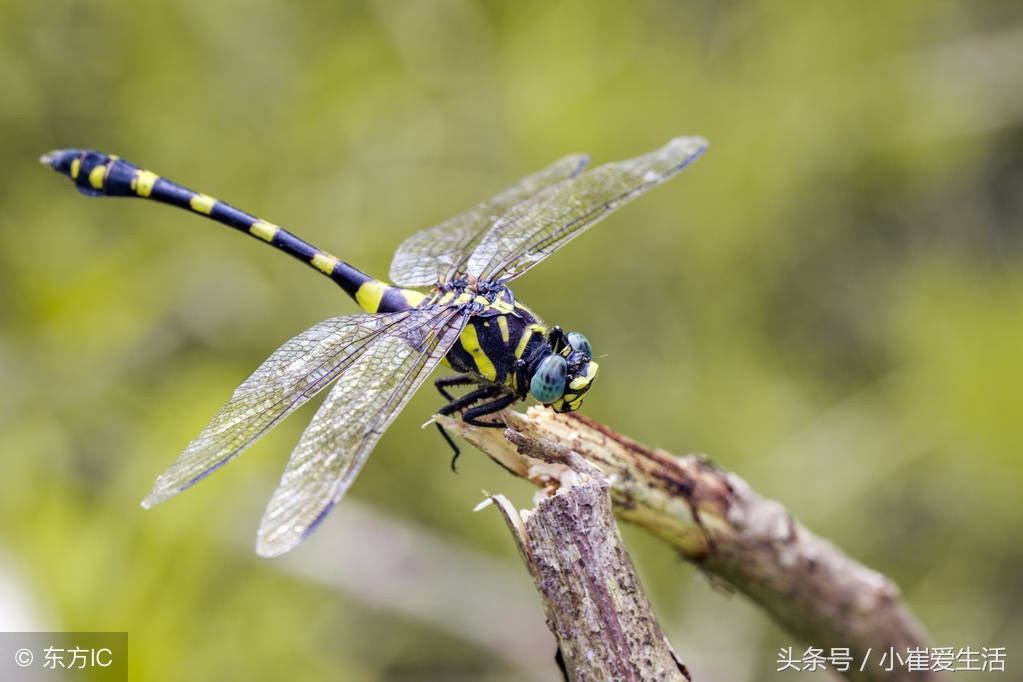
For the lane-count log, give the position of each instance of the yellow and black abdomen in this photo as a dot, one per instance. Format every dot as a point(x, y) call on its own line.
point(96, 174)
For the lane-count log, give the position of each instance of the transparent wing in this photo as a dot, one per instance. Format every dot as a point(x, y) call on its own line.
point(542, 224)
point(438, 253)
point(363, 403)
point(293, 374)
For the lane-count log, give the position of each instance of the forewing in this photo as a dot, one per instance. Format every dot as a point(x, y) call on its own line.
point(363, 403)
point(437, 253)
point(539, 226)
point(293, 374)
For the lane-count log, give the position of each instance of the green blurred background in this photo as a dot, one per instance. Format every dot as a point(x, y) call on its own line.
point(829, 303)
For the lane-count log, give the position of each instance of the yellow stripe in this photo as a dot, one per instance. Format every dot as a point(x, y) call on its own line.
point(96, 176)
point(471, 344)
point(143, 182)
point(76, 166)
point(324, 263)
point(502, 324)
point(526, 337)
point(202, 203)
point(413, 297)
point(369, 295)
point(264, 231)
point(584, 380)
point(502, 306)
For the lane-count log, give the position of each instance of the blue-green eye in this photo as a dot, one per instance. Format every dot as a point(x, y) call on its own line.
point(579, 343)
point(548, 383)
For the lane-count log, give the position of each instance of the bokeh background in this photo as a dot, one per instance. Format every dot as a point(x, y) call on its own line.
point(829, 303)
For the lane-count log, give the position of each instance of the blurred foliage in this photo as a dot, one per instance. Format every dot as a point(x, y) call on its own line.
point(830, 302)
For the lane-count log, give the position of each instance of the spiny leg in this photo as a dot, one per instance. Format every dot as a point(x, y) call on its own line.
point(443, 383)
point(457, 404)
point(450, 442)
point(473, 414)
point(470, 399)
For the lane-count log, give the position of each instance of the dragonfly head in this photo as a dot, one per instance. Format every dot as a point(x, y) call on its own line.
point(564, 375)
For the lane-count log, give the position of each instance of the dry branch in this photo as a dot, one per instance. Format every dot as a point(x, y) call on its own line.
point(592, 598)
point(715, 519)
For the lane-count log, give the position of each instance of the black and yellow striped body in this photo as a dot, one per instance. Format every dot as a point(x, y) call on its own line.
point(373, 363)
point(98, 174)
point(500, 344)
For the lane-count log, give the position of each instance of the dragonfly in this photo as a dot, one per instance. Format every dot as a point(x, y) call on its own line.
point(467, 319)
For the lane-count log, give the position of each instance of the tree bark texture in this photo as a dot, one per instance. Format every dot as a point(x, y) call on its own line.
point(713, 517)
point(593, 601)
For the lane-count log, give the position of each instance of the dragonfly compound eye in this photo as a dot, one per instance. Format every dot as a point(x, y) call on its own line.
point(580, 379)
point(578, 343)
point(548, 383)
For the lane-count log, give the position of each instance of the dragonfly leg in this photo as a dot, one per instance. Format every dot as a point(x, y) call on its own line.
point(492, 393)
point(442, 383)
point(447, 437)
point(470, 399)
point(456, 404)
point(473, 414)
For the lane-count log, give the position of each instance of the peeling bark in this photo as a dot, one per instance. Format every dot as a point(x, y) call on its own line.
point(809, 586)
point(593, 601)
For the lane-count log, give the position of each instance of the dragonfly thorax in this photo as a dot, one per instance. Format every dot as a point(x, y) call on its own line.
point(506, 344)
